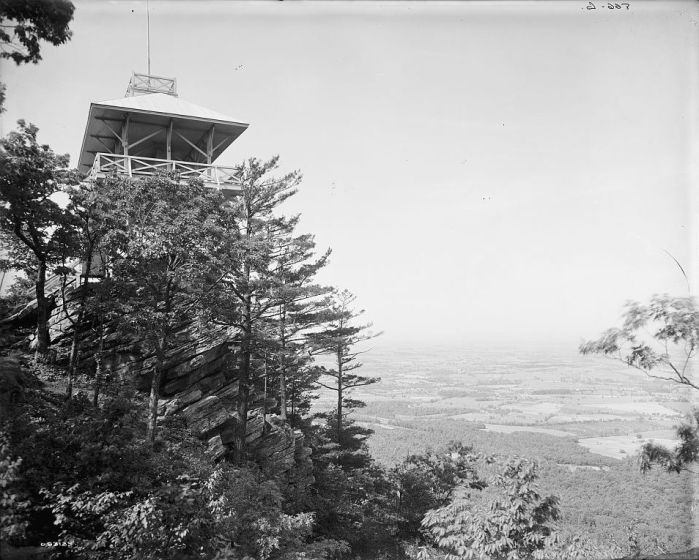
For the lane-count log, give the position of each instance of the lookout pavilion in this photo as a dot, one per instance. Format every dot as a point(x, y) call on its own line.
point(151, 130)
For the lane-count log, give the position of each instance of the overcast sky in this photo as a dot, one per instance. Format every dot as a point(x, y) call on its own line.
point(483, 172)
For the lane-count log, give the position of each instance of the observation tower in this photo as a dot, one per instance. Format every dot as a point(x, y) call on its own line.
point(151, 130)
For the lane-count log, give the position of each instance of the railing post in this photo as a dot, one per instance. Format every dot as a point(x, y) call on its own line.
point(128, 165)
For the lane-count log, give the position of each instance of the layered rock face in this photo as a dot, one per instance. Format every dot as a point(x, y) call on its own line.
point(198, 383)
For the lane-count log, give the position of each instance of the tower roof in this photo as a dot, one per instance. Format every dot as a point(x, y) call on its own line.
point(149, 115)
point(166, 104)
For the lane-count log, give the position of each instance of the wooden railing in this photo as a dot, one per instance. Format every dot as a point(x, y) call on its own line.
point(116, 164)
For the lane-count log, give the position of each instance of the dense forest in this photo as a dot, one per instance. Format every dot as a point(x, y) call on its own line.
point(607, 500)
point(161, 348)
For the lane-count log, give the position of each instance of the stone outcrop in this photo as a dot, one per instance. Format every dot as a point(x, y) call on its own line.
point(198, 383)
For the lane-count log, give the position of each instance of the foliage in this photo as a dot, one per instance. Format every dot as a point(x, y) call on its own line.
point(426, 481)
point(33, 227)
point(508, 520)
point(16, 295)
point(100, 490)
point(356, 510)
point(91, 206)
point(354, 498)
point(300, 307)
point(160, 234)
point(350, 451)
point(667, 353)
point(355, 506)
point(599, 496)
point(248, 290)
point(391, 446)
point(685, 454)
point(161, 242)
point(338, 338)
point(79, 442)
point(226, 511)
point(12, 505)
point(24, 24)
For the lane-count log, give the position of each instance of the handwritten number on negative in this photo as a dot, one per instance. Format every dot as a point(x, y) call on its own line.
point(609, 5)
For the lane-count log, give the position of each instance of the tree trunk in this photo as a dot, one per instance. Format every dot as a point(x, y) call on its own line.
point(244, 359)
point(282, 369)
point(75, 344)
point(72, 362)
point(42, 312)
point(155, 391)
point(264, 401)
point(153, 404)
point(282, 393)
point(243, 398)
point(293, 401)
point(339, 397)
point(98, 368)
point(75, 348)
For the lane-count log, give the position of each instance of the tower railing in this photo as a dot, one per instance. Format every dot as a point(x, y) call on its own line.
point(221, 176)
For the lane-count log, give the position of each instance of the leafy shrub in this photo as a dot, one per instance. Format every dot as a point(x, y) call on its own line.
point(426, 481)
point(12, 506)
point(509, 519)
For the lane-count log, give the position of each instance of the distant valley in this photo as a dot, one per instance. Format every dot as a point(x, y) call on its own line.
point(603, 405)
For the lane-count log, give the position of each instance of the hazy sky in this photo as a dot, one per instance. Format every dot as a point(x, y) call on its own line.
point(505, 171)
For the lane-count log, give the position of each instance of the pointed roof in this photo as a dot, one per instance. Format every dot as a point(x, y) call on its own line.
point(166, 104)
point(152, 112)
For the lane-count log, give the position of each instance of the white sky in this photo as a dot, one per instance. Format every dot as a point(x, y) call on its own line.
point(484, 172)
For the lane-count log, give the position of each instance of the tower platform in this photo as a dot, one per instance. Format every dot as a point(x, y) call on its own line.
point(152, 131)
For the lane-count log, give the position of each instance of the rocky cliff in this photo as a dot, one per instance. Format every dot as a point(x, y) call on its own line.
point(198, 383)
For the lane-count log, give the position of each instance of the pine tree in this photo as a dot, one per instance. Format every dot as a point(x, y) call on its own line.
point(339, 340)
point(301, 305)
point(245, 296)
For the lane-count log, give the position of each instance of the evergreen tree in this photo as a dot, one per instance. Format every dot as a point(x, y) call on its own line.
point(301, 305)
point(245, 296)
point(339, 339)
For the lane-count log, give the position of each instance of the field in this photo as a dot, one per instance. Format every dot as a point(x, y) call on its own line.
point(602, 405)
point(582, 418)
